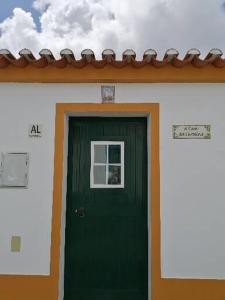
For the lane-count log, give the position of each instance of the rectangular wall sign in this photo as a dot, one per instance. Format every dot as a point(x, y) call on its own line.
point(35, 130)
point(191, 131)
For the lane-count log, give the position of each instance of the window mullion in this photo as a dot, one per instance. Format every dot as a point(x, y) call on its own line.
point(107, 165)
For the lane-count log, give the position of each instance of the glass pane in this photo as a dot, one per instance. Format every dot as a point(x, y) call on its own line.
point(99, 174)
point(114, 153)
point(100, 153)
point(114, 175)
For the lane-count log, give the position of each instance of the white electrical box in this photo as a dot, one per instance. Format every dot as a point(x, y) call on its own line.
point(14, 170)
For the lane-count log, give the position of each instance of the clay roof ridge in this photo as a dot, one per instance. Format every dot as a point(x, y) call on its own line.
point(67, 57)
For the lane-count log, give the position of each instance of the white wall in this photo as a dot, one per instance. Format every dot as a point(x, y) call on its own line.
point(192, 174)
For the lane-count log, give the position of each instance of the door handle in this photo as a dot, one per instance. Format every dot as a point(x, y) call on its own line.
point(80, 212)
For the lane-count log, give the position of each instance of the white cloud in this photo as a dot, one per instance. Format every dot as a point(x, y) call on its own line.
point(19, 31)
point(100, 24)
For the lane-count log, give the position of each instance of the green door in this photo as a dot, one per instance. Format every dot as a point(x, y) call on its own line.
point(106, 243)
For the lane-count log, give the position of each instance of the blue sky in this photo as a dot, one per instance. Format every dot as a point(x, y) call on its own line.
point(136, 24)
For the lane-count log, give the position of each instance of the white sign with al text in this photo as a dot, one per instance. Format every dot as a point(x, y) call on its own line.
point(35, 130)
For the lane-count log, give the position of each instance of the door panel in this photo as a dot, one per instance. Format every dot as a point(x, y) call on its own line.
point(106, 252)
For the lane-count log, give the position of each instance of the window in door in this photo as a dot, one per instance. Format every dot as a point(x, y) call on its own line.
point(107, 164)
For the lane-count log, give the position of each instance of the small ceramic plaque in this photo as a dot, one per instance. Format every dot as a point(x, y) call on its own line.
point(191, 131)
point(108, 93)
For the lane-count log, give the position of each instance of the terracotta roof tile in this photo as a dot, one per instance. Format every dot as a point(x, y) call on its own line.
point(192, 57)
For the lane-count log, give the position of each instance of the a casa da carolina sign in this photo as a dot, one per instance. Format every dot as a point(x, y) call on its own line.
point(191, 131)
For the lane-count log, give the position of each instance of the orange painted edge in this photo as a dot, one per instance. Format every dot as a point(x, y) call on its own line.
point(61, 111)
point(161, 289)
point(128, 74)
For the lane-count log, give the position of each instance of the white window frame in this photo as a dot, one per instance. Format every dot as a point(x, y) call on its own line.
point(121, 164)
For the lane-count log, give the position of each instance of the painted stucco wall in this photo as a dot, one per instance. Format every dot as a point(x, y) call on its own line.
point(192, 174)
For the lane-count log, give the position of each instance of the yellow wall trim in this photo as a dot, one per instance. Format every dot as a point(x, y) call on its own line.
point(128, 74)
